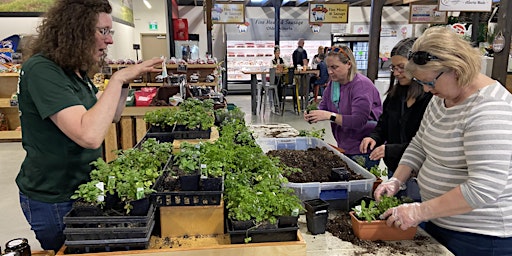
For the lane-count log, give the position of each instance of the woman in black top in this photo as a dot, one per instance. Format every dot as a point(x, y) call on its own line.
point(403, 110)
point(277, 58)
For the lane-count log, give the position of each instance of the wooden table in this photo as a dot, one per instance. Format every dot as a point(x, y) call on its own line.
point(302, 76)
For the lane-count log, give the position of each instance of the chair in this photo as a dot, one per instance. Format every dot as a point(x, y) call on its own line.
point(291, 86)
point(271, 93)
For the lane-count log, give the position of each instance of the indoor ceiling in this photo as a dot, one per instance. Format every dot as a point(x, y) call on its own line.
point(268, 3)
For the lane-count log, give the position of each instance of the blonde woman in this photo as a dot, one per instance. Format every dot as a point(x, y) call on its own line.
point(462, 151)
point(350, 101)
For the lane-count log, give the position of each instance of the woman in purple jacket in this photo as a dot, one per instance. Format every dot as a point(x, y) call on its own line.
point(351, 102)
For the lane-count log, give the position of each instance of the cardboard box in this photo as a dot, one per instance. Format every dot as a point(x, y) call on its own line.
point(176, 221)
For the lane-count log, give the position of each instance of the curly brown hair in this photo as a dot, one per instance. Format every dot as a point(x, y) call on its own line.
point(66, 34)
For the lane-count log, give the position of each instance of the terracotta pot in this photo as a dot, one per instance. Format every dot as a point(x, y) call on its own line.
point(376, 183)
point(378, 230)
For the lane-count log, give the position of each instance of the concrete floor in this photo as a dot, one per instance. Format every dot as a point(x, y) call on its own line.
point(14, 225)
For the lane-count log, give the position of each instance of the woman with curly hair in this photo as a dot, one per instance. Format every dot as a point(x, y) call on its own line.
point(64, 118)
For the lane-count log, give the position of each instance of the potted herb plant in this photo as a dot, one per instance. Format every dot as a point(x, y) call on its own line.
point(367, 225)
point(130, 176)
point(188, 163)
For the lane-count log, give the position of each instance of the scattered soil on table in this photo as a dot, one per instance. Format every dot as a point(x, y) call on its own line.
point(315, 163)
point(188, 241)
point(341, 227)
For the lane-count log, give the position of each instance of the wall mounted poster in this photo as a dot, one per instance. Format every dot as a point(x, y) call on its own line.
point(426, 14)
point(122, 10)
point(465, 5)
point(12, 8)
point(228, 13)
point(328, 13)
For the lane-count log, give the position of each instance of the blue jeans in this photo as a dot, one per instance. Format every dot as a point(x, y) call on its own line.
point(468, 244)
point(368, 164)
point(46, 219)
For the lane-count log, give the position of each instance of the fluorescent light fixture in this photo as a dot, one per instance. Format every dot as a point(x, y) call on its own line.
point(147, 4)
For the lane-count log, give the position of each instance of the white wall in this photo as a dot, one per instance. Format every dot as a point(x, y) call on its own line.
point(123, 38)
point(18, 25)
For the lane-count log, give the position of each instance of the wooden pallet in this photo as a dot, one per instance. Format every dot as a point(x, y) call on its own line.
point(294, 248)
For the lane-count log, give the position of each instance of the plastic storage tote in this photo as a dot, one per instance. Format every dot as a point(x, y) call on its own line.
point(341, 194)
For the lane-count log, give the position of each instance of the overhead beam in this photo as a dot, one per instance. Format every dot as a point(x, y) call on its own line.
point(285, 2)
point(300, 2)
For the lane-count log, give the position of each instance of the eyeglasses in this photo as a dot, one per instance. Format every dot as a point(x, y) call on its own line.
point(393, 68)
point(337, 49)
point(421, 57)
point(105, 31)
point(429, 84)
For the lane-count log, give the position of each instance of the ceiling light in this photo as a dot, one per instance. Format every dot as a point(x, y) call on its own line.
point(147, 4)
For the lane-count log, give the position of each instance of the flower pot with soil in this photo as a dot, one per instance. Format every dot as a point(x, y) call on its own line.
point(379, 230)
point(367, 225)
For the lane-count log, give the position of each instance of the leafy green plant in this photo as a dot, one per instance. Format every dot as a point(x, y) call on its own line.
point(374, 209)
point(188, 158)
point(375, 170)
point(132, 174)
point(320, 133)
point(90, 193)
point(192, 113)
point(312, 106)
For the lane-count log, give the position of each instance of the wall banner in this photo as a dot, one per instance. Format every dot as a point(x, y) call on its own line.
point(290, 29)
point(228, 13)
point(328, 13)
point(465, 5)
point(426, 14)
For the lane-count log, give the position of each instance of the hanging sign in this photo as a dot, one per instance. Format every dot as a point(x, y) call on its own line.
point(426, 14)
point(228, 13)
point(465, 5)
point(328, 13)
point(499, 43)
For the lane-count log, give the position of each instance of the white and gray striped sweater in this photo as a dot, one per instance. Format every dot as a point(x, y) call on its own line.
point(468, 145)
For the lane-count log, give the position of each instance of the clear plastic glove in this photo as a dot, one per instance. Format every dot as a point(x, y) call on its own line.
point(389, 188)
point(406, 215)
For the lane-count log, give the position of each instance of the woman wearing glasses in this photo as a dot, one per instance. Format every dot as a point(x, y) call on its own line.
point(64, 119)
point(403, 109)
point(462, 150)
point(350, 101)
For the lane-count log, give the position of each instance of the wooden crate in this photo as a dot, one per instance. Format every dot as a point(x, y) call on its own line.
point(293, 248)
point(176, 221)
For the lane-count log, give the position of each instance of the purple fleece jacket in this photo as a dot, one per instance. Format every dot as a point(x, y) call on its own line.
point(359, 103)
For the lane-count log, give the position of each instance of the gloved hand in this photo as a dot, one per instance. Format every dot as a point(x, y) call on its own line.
point(406, 215)
point(389, 188)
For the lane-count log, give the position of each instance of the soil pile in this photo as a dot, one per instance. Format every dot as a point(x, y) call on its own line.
point(316, 164)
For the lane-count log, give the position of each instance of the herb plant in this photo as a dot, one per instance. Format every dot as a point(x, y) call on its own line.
point(374, 209)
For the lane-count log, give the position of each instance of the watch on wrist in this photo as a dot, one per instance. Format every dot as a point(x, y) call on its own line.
point(333, 117)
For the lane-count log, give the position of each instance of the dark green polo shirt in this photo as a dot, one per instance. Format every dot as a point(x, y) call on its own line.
point(54, 165)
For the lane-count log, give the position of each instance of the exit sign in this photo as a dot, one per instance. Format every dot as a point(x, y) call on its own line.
point(153, 25)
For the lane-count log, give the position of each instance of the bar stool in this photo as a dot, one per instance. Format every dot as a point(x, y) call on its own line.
point(290, 85)
point(270, 89)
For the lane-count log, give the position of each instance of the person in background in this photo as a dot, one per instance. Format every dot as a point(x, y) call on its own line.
point(277, 60)
point(403, 110)
point(63, 116)
point(279, 64)
point(316, 60)
point(351, 102)
point(462, 151)
point(323, 77)
point(300, 56)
